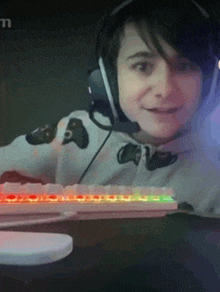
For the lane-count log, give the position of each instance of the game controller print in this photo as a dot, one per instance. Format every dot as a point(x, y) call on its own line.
point(76, 132)
point(158, 159)
point(42, 135)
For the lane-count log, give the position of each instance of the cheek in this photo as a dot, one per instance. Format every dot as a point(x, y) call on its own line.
point(130, 88)
point(192, 89)
point(127, 82)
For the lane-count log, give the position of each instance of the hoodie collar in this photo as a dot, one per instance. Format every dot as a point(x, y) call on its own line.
point(183, 142)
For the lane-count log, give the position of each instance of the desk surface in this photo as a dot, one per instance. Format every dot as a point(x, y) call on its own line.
point(107, 247)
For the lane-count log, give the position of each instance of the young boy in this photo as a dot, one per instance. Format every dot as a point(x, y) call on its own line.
point(158, 60)
point(153, 83)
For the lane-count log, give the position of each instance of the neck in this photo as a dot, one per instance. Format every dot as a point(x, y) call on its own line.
point(144, 138)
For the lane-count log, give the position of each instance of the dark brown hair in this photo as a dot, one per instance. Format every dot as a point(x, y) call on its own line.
point(180, 23)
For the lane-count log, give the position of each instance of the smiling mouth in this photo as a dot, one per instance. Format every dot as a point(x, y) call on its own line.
point(163, 111)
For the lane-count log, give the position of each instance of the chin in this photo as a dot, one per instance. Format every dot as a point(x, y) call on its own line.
point(160, 135)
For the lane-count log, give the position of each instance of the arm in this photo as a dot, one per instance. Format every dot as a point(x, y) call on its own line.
point(32, 157)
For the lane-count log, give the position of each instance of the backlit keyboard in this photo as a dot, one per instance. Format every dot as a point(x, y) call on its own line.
point(80, 202)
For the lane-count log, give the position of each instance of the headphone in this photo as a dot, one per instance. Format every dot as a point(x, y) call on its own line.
point(103, 87)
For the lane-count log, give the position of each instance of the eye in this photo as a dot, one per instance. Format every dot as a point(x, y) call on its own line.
point(143, 67)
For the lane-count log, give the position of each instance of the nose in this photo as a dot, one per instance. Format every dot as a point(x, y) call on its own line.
point(164, 86)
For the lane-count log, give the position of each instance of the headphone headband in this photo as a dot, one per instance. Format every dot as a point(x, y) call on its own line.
point(122, 5)
point(125, 3)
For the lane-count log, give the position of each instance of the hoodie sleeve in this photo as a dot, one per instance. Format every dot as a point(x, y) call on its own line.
point(33, 155)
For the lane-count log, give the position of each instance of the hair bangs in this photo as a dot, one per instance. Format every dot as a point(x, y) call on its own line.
point(180, 24)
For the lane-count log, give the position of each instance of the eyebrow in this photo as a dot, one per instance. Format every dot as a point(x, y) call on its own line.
point(141, 55)
point(149, 55)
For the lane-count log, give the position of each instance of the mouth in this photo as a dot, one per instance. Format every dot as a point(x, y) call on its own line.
point(163, 111)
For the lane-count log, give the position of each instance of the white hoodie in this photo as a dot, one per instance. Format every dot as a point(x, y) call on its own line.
point(61, 152)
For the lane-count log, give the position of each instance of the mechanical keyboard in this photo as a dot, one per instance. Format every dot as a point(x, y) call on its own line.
point(81, 202)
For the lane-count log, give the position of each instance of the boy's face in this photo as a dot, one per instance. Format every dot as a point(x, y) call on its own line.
point(149, 82)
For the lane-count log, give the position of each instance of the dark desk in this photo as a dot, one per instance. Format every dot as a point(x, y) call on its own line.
point(165, 253)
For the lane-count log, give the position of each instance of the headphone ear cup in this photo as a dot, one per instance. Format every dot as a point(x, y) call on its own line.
point(113, 83)
point(97, 84)
point(98, 95)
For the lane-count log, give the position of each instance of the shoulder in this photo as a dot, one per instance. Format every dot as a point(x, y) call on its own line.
point(77, 127)
point(50, 132)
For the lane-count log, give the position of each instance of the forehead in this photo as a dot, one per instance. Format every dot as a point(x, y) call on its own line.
point(132, 43)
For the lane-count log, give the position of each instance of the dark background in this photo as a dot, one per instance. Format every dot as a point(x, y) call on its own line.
point(43, 78)
point(43, 58)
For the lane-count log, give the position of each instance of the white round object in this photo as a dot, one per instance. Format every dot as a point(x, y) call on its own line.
point(32, 248)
